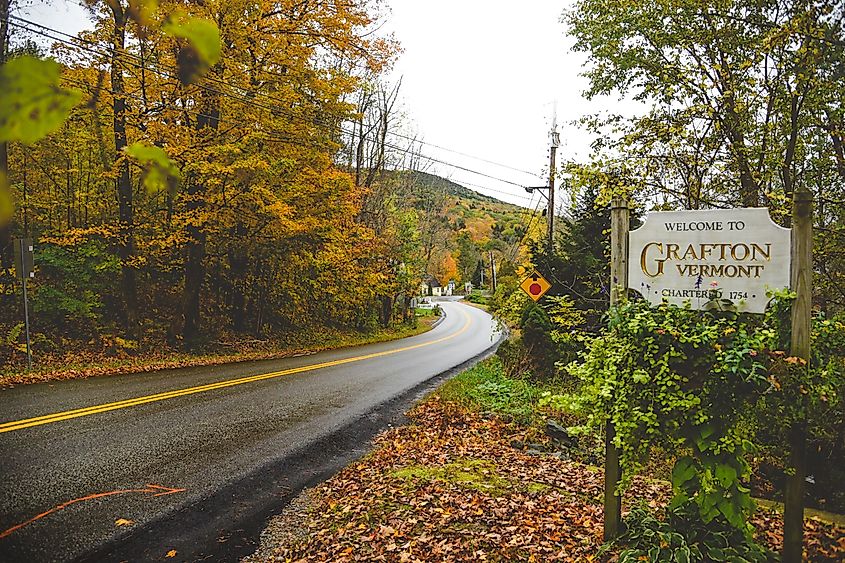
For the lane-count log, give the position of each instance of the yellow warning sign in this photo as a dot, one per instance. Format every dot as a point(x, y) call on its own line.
point(535, 286)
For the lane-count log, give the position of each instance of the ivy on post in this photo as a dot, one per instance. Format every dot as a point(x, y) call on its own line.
point(802, 284)
point(619, 226)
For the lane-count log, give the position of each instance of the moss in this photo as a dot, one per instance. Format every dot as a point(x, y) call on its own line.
point(475, 474)
point(535, 487)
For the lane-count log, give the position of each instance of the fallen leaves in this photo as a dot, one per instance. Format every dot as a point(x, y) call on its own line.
point(123, 522)
point(822, 541)
point(171, 553)
point(450, 488)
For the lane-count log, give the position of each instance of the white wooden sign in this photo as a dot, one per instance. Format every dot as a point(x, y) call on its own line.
point(711, 259)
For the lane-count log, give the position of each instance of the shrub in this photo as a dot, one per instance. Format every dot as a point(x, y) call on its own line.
point(682, 539)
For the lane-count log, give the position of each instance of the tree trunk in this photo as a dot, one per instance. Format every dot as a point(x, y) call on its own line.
point(386, 310)
point(207, 122)
point(126, 218)
point(238, 263)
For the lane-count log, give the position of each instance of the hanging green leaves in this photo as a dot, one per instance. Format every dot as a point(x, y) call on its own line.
point(33, 102)
point(7, 206)
point(160, 173)
point(200, 47)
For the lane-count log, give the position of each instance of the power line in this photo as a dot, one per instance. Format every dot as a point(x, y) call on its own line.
point(271, 135)
point(236, 97)
point(515, 249)
point(494, 163)
point(465, 183)
point(141, 63)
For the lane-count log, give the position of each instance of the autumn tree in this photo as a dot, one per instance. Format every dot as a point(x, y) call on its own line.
point(126, 215)
point(239, 217)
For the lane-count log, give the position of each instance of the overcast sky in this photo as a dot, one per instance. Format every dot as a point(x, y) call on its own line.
point(480, 77)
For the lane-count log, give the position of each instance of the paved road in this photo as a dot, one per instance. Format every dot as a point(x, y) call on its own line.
point(185, 455)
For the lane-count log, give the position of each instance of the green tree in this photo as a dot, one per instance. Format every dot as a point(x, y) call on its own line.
point(468, 257)
point(742, 105)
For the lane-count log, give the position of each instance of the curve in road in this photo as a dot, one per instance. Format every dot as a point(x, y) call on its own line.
point(232, 441)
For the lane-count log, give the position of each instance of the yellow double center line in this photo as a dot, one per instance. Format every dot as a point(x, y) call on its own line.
point(95, 409)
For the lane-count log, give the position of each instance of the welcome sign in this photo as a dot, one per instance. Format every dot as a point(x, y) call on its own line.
point(713, 258)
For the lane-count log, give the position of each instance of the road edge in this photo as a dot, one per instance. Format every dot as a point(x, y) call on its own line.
point(177, 362)
point(266, 490)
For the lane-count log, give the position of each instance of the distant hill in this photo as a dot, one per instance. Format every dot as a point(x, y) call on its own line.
point(459, 226)
point(433, 182)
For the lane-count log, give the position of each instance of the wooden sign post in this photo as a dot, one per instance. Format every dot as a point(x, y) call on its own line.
point(620, 224)
point(802, 284)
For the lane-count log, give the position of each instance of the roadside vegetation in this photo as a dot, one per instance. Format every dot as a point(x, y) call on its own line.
point(483, 473)
point(477, 297)
point(504, 461)
point(119, 362)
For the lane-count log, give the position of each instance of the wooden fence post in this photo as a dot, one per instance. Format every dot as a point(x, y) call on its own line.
point(619, 226)
point(802, 284)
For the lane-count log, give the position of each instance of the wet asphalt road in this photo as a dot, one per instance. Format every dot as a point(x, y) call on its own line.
point(237, 451)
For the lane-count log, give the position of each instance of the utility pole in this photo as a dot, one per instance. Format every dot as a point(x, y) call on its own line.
point(492, 272)
point(555, 143)
point(550, 197)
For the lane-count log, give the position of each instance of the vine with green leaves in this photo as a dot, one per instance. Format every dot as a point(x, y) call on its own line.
point(686, 381)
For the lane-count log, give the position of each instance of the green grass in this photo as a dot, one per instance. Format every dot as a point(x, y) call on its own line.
point(477, 297)
point(485, 387)
point(424, 312)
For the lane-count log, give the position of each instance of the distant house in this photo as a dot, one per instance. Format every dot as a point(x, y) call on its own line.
point(431, 286)
point(450, 287)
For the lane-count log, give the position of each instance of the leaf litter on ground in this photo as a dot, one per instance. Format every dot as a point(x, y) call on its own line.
point(449, 487)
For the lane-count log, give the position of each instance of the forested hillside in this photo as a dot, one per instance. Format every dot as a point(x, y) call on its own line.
point(183, 199)
point(459, 228)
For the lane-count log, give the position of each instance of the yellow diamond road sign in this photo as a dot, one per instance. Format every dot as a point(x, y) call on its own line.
point(535, 286)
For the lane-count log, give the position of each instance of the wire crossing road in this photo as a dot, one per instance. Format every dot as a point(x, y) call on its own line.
point(130, 467)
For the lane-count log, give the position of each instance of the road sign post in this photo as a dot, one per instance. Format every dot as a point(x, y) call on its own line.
point(24, 265)
point(802, 283)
